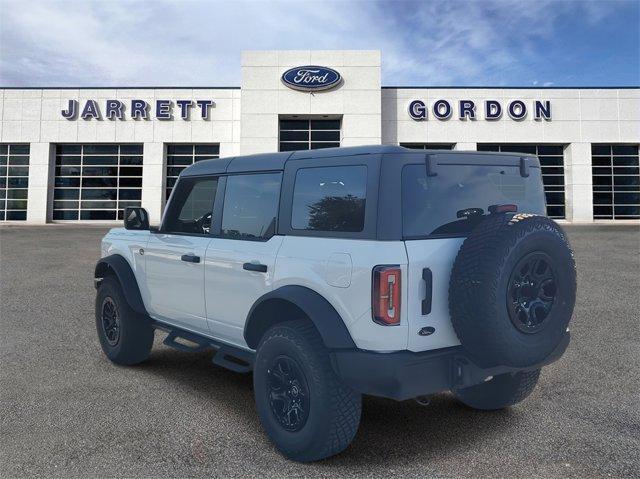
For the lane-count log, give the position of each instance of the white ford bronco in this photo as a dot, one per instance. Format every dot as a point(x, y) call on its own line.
point(347, 271)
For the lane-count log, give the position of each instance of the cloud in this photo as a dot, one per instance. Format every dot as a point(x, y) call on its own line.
point(198, 43)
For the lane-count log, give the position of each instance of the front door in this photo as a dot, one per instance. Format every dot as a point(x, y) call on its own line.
point(175, 256)
point(240, 263)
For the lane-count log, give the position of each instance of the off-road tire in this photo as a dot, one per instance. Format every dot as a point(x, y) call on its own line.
point(500, 392)
point(135, 337)
point(481, 280)
point(334, 412)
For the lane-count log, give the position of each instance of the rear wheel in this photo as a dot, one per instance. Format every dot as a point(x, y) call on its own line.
point(304, 408)
point(501, 391)
point(126, 337)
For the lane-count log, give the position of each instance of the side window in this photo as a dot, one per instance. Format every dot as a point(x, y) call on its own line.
point(329, 198)
point(251, 206)
point(191, 207)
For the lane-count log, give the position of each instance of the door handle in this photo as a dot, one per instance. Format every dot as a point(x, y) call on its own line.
point(427, 276)
point(190, 258)
point(260, 268)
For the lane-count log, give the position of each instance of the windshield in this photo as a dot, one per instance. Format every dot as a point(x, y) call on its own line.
point(454, 201)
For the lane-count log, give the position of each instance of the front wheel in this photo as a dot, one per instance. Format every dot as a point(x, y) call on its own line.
point(304, 408)
point(500, 392)
point(126, 337)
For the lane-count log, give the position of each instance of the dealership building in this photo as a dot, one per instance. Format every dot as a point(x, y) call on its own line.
point(83, 154)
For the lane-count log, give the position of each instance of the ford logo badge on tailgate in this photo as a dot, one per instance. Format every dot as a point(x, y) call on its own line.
point(311, 78)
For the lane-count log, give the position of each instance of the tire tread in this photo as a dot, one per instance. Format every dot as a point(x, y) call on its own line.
point(476, 273)
point(345, 404)
point(137, 333)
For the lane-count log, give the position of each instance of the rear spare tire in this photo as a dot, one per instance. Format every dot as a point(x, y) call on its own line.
point(512, 290)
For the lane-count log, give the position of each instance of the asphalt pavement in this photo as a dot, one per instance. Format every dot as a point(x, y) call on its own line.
point(66, 411)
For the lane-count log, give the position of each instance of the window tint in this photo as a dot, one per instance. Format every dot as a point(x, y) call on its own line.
point(454, 201)
point(190, 210)
point(251, 206)
point(329, 199)
point(552, 164)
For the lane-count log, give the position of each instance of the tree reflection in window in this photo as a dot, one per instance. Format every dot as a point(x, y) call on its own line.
point(337, 213)
point(330, 198)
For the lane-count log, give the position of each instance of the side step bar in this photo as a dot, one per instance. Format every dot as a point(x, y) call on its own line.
point(226, 355)
point(199, 343)
point(234, 359)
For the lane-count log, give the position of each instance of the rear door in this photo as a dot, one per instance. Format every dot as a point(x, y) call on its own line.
point(175, 255)
point(240, 262)
point(438, 212)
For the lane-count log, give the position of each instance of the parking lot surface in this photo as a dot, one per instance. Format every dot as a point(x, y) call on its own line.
point(68, 412)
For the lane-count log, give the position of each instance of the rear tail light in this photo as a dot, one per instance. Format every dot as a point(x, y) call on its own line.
point(386, 294)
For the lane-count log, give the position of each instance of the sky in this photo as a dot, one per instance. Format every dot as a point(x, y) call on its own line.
point(428, 43)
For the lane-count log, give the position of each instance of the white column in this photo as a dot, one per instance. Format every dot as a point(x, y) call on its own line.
point(153, 180)
point(466, 146)
point(578, 182)
point(41, 179)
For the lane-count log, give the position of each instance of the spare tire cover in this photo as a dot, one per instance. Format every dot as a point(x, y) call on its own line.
point(512, 290)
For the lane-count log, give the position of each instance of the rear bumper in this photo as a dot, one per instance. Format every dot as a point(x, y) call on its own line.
point(404, 374)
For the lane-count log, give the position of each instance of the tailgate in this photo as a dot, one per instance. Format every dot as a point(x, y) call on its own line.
point(442, 202)
point(431, 259)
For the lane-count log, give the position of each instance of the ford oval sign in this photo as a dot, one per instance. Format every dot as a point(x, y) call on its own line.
point(311, 78)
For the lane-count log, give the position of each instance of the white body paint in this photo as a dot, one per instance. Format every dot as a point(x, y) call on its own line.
point(213, 297)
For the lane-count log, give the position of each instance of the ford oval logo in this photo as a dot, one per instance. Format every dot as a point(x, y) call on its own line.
point(311, 78)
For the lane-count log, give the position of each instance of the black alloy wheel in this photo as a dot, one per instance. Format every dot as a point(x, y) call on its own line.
point(512, 291)
point(304, 407)
point(288, 393)
point(531, 292)
point(126, 336)
point(110, 321)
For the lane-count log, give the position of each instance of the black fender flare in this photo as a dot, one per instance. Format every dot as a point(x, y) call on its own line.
point(272, 307)
point(122, 269)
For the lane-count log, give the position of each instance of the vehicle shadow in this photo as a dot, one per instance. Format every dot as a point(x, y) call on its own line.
point(390, 432)
point(393, 432)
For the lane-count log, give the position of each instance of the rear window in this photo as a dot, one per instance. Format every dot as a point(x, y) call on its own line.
point(454, 201)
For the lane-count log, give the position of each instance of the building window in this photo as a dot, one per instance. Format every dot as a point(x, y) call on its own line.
point(96, 181)
point(309, 134)
point(616, 182)
point(428, 146)
point(181, 156)
point(552, 165)
point(14, 182)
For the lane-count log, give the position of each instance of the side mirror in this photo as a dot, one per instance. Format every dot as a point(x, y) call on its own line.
point(136, 218)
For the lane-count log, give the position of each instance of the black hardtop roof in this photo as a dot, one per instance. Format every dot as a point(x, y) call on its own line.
point(277, 161)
